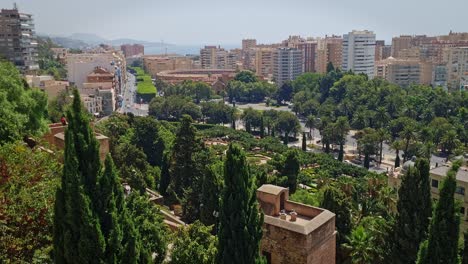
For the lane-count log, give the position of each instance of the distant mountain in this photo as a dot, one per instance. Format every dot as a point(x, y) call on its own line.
point(67, 42)
point(84, 40)
point(121, 41)
point(88, 38)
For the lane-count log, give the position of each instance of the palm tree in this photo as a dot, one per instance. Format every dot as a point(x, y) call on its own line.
point(368, 145)
point(450, 141)
point(381, 117)
point(408, 134)
point(311, 123)
point(397, 145)
point(360, 246)
point(341, 128)
point(382, 135)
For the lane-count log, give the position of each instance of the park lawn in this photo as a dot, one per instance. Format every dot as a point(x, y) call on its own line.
point(145, 84)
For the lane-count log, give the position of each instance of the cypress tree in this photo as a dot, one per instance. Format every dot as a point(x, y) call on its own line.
point(165, 175)
point(442, 243)
point(211, 187)
point(262, 128)
point(341, 153)
point(110, 203)
point(465, 248)
point(335, 201)
point(304, 142)
point(240, 223)
point(182, 164)
point(291, 169)
point(414, 210)
point(77, 233)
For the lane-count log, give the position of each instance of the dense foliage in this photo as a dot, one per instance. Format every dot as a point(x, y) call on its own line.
point(48, 63)
point(23, 110)
point(26, 203)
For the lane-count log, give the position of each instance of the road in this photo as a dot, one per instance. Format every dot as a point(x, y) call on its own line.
point(129, 104)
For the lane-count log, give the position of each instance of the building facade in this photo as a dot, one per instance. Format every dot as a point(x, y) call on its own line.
point(287, 65)
point(379, 44)
point(130, 50)
point(294, 232)
point(359, 52)
point(399, 71)
point(249, 44)
point(457, 69)
point(308, 49)
point(154, 64)
point(264, 62)
point(79, 66)
point(18, 41)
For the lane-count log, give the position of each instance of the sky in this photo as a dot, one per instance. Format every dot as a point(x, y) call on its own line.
point(213, 22)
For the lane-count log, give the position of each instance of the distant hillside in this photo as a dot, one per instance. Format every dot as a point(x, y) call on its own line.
point(84, 40)
point(88, 38)
point(66, 42)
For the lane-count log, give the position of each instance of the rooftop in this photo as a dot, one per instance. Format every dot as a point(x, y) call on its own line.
point(278, 211)
point(271, 189)
point(462, 174)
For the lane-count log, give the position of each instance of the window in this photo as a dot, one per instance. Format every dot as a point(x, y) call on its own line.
point(460, 190)
point(462, 211)
point(435, 183)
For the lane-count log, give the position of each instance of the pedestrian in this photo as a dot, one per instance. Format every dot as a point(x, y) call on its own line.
point(63, 120)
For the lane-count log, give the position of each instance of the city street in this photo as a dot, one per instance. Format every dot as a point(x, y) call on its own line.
point(129, 104)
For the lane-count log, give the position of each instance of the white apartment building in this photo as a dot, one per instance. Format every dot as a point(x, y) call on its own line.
point(287, 65)
point(80, 65)
point(359, 52)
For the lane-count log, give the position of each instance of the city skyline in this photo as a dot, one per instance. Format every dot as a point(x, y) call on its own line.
point(206, 22)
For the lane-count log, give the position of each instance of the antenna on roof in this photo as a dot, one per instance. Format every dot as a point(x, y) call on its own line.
point(15, 6)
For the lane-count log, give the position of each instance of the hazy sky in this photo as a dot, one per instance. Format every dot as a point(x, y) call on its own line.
point(227, 22)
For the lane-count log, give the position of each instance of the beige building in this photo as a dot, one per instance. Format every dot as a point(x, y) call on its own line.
point(53, 88)
point(400, 43)
point(264, 62)
point(329, 49)
point(294, 232)
point(413, 53)
point(379, 45)
point(47, 84)
point(404, 72)
point(437, 176)
point(213, 57)
point(457, 68)
point(60, 53)
point(249, 44)
point(156, 64)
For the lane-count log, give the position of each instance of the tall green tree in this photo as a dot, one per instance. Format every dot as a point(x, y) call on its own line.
point(23, 110)
point(77, 231)
point(464, 254)
point(211, 188)
point(335, 201)
point(109, 204)
point(311, 123)
point(304, 142)
point(182, 164)
point(341, 129)
point(291, 169)
point(414, 208)
point(240, 223)
point(194, 244)
point(442, 243)
point(150, 230)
